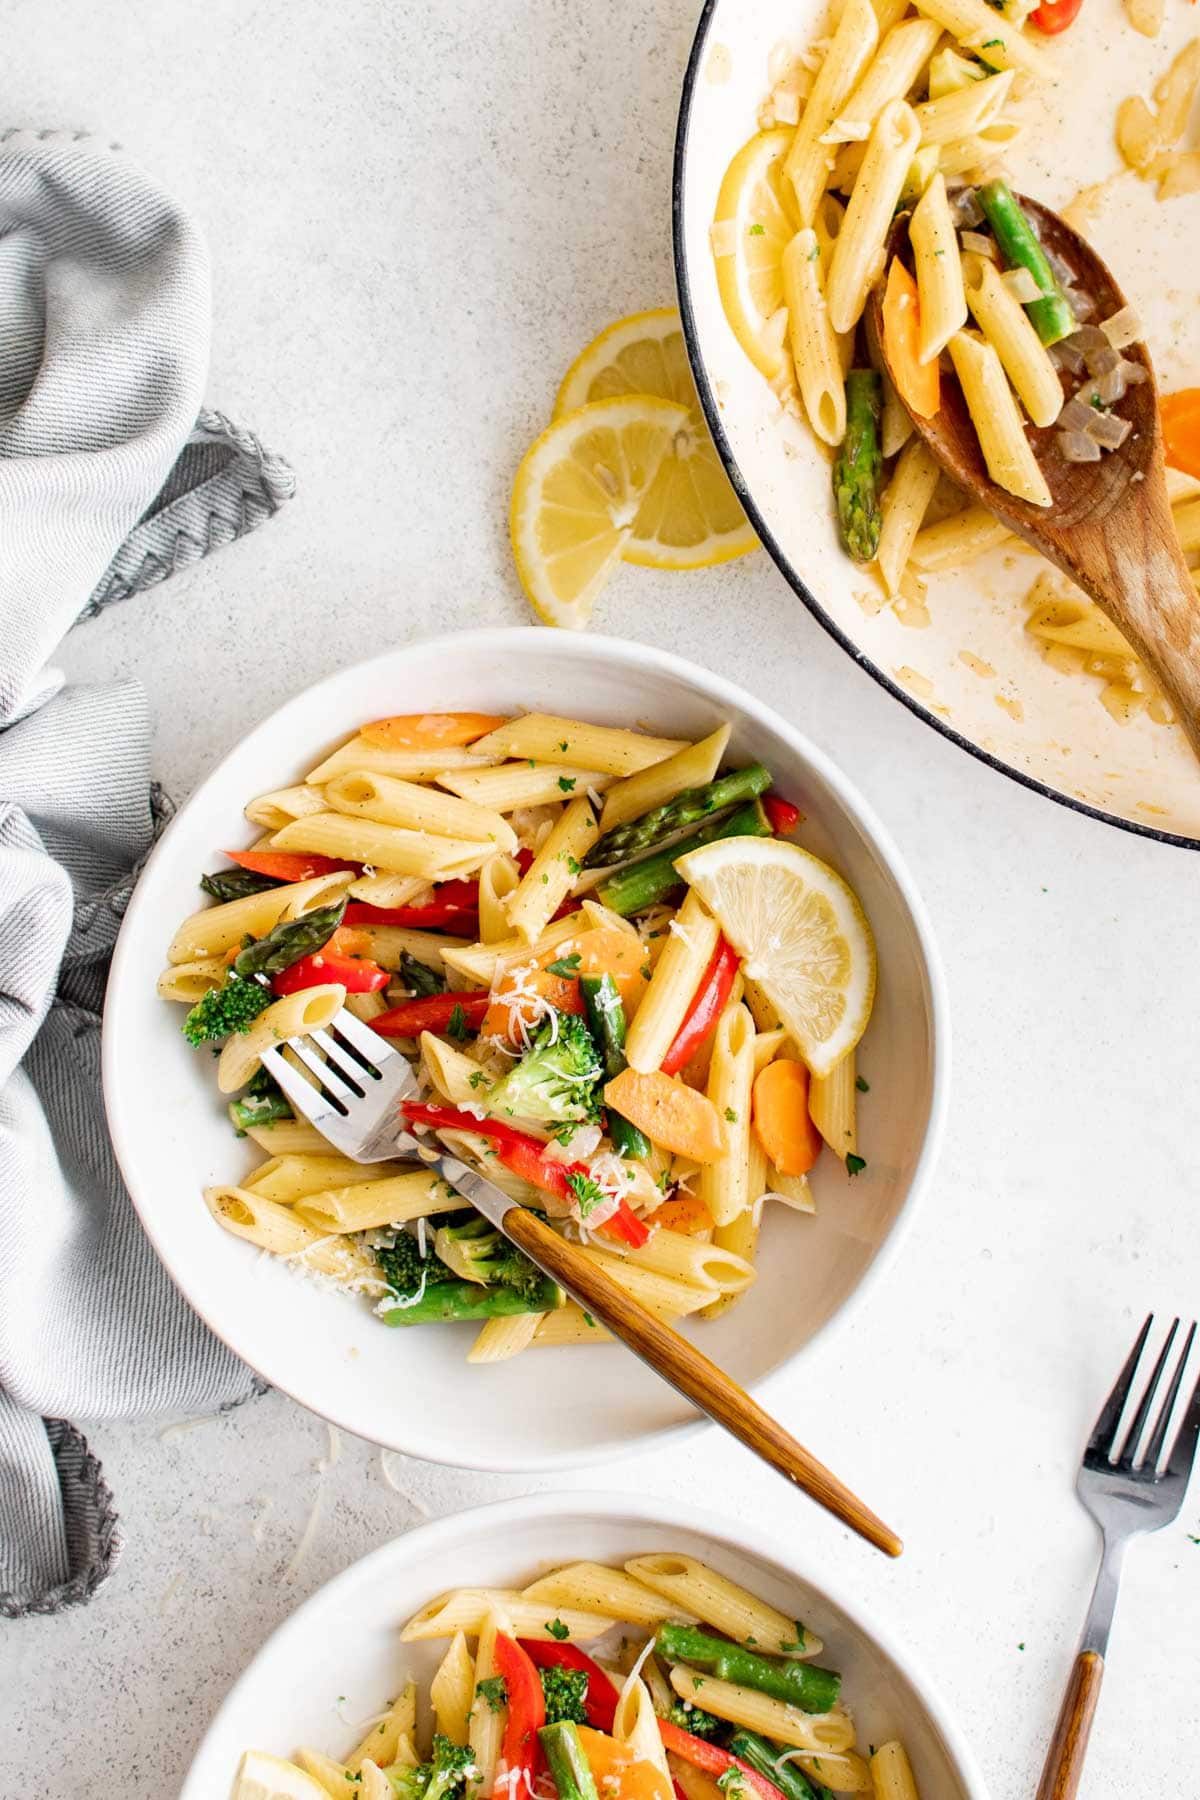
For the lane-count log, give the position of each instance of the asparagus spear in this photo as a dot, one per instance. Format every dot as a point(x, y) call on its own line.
point(419, 976)
point(798, 1683)
point(606, 1020)
point(687, 808)
point(1051, 316)
point(856, 467)
point(259, 1102)
point(645, 883)
point(567, 1761)
point(235, 884)
point(445, 1300)
point(767, 1759)
point(288, 941)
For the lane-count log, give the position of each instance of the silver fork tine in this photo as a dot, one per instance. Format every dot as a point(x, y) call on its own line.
point(360, 1037)
point(1158, 1439)
point(1133, 1436)
point(325, 1073)
point(347, 1066)
point(308, 1101)
point(1101, 1440)
point(1183, 1451)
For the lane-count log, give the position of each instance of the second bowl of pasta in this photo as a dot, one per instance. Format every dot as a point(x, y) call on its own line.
point(656, 968)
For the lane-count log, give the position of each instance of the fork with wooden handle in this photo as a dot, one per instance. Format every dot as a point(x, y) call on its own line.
point(363, 1084)
point(1127, 1492)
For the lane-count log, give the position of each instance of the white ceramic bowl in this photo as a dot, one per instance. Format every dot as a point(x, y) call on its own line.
point(172, 1136)
point(1046, 729)
point(345, 1639)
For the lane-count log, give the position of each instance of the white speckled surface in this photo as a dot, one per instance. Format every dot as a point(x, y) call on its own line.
point(415, 224)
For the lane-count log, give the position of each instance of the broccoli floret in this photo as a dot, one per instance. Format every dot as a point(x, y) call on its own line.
point(224, 1010)
point(405, 1270)
point(444, 1777)
point(701, 1724)
point(565, 1692)
point(476, 1251)
point(555, 1081)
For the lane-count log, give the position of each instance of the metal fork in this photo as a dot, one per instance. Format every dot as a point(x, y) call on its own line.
point(363, 1083)
point(1128, 1490)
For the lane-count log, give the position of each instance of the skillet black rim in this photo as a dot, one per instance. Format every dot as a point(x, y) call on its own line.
point(712, 413)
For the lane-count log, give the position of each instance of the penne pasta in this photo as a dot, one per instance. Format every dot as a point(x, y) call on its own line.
point(392, 847)
point(653, 786)
point(275, 809)
point(569, 1325)
point(975, 23)
point(512, 785)
point(498, 879)
point(211, 933)
point(1006, 450)
point(691, 940)
point(904, 504)
point(691, 1259)
point(901, 56)
point(277, 1228)
point(816, 351)
point(390, 890)
point(289, 1178)
point(666, 1296)
point(387, 944)
point(594, 1587)
point(288, 1137)
point(468, 1609)
point(723, 1184)
point(775, 1719)
point(383, 799)
point(190, 981)
point(1006, 326)
point(957, 540)
point(891, 1773)
point(452, 1690)
point(809, 159)
point(943, 304)
point(369, 1205)
point(720, 1602)
point(551, 875)
point(485, 1724)
point(541, 737)
point(833, 1108)
point(964, 112)
point(405, 765)
point(295, 1015)
point(383, 1741)
point(858, 253)
point(500, 1339)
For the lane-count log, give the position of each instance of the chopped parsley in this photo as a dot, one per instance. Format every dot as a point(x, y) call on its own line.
point(456, 1026)
point(564, 745)
point(587, 1192)
point(1192, 1538)
point(855, 1164)
point(494, 1690)
point(730, 1116)
point(758, 231)
point(992, 43)
point(862, 1084)
point(814, 253)
point(565, 965)
point(646, 971)
point(732, 1783)
point(1097, 402)
point(801, 1636)
point(1020, 1646)
point(477, 1079)
point(557, 1629)
point(567, 782)
point(697, 1681)
point(574, 866)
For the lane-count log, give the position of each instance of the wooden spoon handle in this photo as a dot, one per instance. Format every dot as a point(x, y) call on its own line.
point(692, 1373)
point(1068, 1747)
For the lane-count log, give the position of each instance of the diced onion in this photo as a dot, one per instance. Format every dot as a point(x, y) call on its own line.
point(1081, 304)
point(1076, 415)
point(1122, 328)
point(779, 61)
point(722, 236)
point(1108, 430)
point(787, 106)
point(983, 246)
point(775, 330)
point(1086, 339)
point(1077, 447)
point(965, 209)
point(1103, 362)
point(1064, 274)
point(1064, 357)
point(1021, 285)
point(1111, 387)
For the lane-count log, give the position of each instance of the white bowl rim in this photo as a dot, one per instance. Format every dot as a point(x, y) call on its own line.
point(501, 639)
point(636, 1509)
point(712, 413)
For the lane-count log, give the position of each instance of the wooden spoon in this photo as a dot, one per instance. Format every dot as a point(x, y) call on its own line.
point(1110, 527)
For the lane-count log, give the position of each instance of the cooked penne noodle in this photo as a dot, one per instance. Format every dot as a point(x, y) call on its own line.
point(406, 765)
point(975, 23)
point(512, 785)
point(666, 1296)
point(467, 1609)
point(904, 505)
point(793, 1190)
point(739, 1237)
point(816, 352)
point(452, 1074)
point(691, 940)
point(889, 13)
point(569, 1325)
point(690, 1259)
point(902, 55)
point(218, 929)
point(636, 1724)
point(392, 847)
point(1006, 450)
point(390, 890)
point(809, 159)
point(895, 427)
point(275, 809)
point(762, 1010)
point(498, 878)
point(1006, 326)
point(541, 737)
point(485, 1724)
point(718, 1601)
point(277, 1229)
point(891, 1773)
point(331, 1776)
point(934, 241)
point(957, 540)
point(386, 944)
point(452, 1690)
point(190, 981)
point(551, 874)
point(386, 801)
point(773, 1718)
point(857, 255)
point(723, 1184)
point(653, 786)
point(382, 1742)
point(392, 1200)
point(295, 1015)
point(484, 964)
point(500, 1339)
point(594, 1587)
point(289, 1178)
point(287, 1137)
point(964, 112)
point(833, 1106)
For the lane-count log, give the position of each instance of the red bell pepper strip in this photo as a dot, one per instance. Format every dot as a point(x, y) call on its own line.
point(431, 1012)
point(287, 865)
point(707, 1005)
point(1053, 16)
point(524, 1155)
point(782, 816)
point(714, 1761)
point(453, 907)
point(525, 1717)
point(357, 974)
point(600, 1701)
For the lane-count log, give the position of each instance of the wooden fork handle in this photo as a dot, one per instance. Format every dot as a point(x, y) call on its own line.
point(692, 1373)
point(1068, 1747)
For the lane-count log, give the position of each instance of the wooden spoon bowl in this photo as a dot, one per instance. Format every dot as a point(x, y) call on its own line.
point(1110, 528)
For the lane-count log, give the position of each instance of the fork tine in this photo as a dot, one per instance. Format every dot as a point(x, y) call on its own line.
point(1100, 1442)
point(344, 1061)
point(1183, 1450)
point(325, 1073)
point(1155, 1446)
point(307, 1100)
point(1133, 1436)
point(370, 1045)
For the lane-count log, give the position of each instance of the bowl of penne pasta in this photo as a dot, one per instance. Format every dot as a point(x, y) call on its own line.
point(658, 973)
point(804, 132)
point(568, 1646)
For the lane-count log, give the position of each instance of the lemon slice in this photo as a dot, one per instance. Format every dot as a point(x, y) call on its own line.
point(691, 518)
point(801, 934)
point(263, 1777)
point(754, 222)
point(577, 494)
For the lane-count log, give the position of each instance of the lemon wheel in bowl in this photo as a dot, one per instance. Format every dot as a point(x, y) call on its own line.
point(690, 518)
point(263, 1777)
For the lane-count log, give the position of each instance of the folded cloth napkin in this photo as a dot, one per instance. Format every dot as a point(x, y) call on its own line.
point(112, 476)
